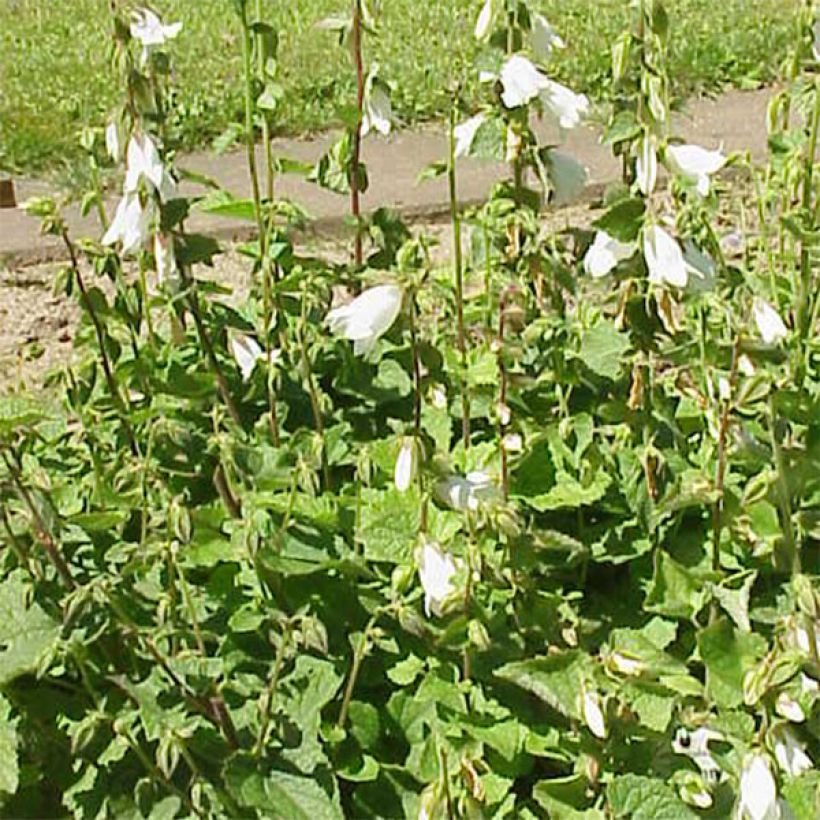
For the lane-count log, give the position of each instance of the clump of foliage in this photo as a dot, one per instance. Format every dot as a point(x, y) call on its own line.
point(531, 534)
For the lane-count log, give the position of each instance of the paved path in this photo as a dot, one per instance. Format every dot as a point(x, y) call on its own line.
point(737, 121)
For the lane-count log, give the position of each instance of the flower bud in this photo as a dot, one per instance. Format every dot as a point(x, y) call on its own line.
point(478, 635)
point(593, 714)
point(406, 464)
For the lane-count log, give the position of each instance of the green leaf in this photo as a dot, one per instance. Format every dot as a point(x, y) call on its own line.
point(18, 411)
point(556, 679)
point(652, 703)
point(406, 671)
point(728, 654)
point(279, 795)
point(569, 494)
point(27, 633)
point(803, 795)
point(603, 349)
point(221, 203)
point(624, 220)
point(674, 591)
point(735, 601)
point(9, 769)
point(389, 524)
point(566, 798)
point(645, 798)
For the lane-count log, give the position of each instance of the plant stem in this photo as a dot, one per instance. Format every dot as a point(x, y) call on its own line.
point(110, 379)
point(784, 496)
point(207, 345)
point(355, 202)
point(720, 478)
point(417, 405)
point(358, 657)
point(266, 135)
point(502, 398)
point(458, 271)
point(40, 530)
point(278, 665)
point(307, 374)
point(804, 310)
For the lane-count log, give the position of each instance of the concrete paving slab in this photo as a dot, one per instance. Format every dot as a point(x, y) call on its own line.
point(736, 121)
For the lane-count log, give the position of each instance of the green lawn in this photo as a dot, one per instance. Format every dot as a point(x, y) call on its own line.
point(54, 76)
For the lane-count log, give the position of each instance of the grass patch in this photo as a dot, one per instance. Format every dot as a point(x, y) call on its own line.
point(54, 77)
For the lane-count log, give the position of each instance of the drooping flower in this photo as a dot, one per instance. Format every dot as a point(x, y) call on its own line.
point(605, 253)
point(695, 164)
point(406, 464)
point(567, 175)
point(378, 110)
point(543, 38)
point(564, 104)
point(769, 324)
point(521, 81)
point(695, 746)
point(436, 571)
point(112, 142)
point(466, 493)
point(758, 790)
point(150, 31)
point(465, 134)
point(625, 665)
point(790, 753)
point(664, 258)
point(593, 713)
point(513, 443)
point(786, 706)
point(131, 225)
point(367, 318)
point(144, 163)
point(165, 258)
point(484, 23)
point(646, 167)
point(247, 352)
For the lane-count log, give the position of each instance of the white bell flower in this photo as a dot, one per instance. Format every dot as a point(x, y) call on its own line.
point(465, 132)
point(406, 465)
point(112, 142)
point(787, 707)
point(378, 110)
point(758, 790)
point(816, 48)
point(165, 258)
point(521, 82)
point(144, 163)
point(131, 225)
point(593, 713)
point(646, 167)
point(769, 324)
point(513, 443)
point(543, 38)
point(695, 164)
point(567, 175)
point(605, 253)
point(436, 571)
point(790, 753)
point(150, 31)
point(695, 746)
point(466, 493)
point(367, 318)
point(247, 352)
point(484, 23)
point(564, 104)
point(625, 665)
point(664, 258)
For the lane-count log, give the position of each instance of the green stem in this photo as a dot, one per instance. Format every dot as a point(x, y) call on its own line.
point(355, 201)
point(358, 657)
point(783, 493)
point(110, 379)
point(278, 665)
point(458, 271)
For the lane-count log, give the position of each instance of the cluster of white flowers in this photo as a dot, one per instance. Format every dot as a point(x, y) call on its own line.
point(146, 176)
